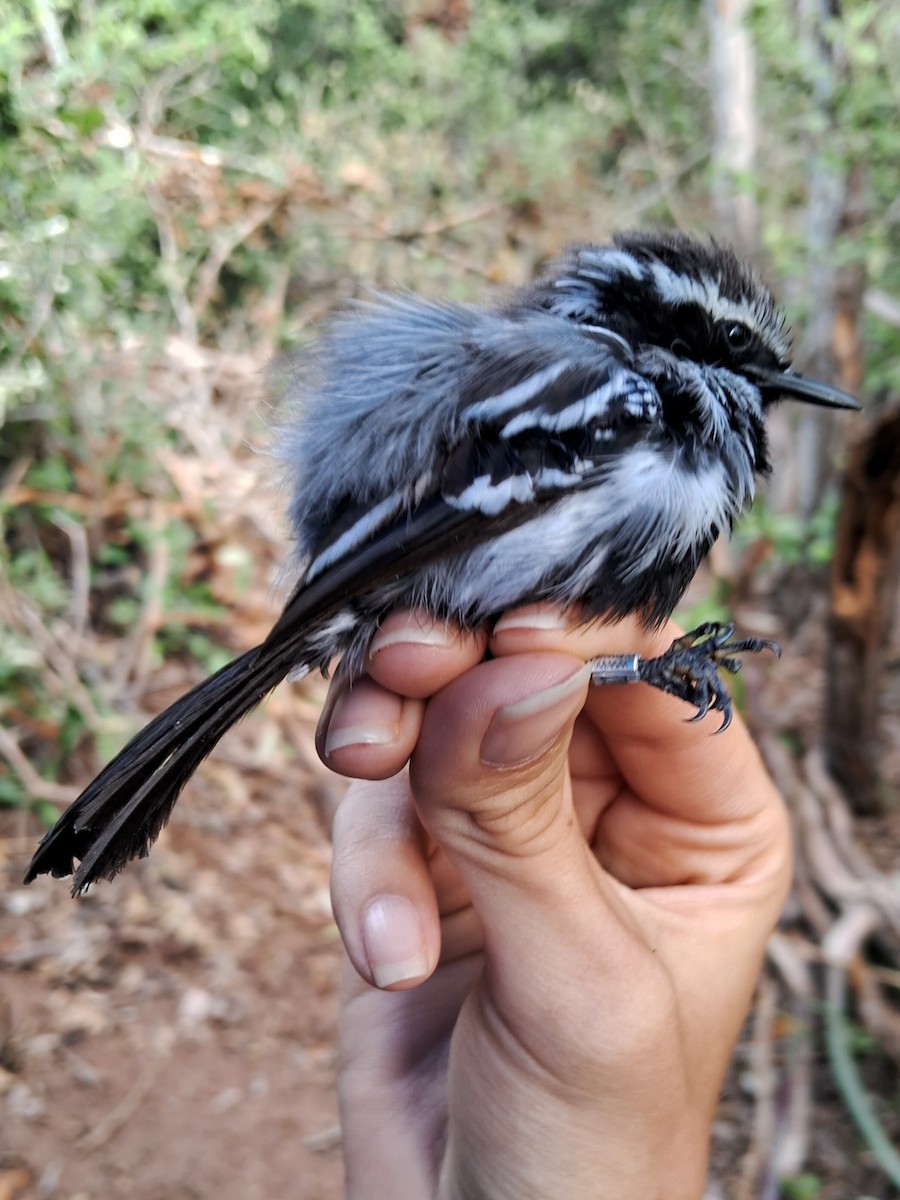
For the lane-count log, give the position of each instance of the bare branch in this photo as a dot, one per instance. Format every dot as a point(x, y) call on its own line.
point(224, 244)
point(54, 43)
point(35, 785)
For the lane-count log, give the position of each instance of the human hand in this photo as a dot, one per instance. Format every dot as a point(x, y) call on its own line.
point(571, 883)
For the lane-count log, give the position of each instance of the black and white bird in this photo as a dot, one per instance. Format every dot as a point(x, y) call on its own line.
point(585, 443)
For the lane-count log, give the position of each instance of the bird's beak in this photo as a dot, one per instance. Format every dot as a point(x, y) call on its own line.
point(774, 383)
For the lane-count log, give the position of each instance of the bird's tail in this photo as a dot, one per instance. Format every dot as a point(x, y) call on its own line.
point(118, 815)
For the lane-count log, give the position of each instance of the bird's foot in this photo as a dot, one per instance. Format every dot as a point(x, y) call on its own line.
point(690, 668)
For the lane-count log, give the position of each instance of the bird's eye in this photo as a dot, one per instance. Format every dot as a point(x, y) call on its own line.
point(737, 336)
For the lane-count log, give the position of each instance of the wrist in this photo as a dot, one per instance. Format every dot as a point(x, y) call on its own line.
point(668, 1165)
point(644, 1136)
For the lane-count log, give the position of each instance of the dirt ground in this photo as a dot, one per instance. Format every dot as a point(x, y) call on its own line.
point(172, 1036)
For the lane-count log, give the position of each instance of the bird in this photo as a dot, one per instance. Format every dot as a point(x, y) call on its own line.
point(583, 442)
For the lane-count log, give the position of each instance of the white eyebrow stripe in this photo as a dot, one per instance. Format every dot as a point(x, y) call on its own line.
point(676, 289)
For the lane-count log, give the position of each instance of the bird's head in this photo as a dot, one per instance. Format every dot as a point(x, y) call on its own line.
point(693, 319)
point(690, 311)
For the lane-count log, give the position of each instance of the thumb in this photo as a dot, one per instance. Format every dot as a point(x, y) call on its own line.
point(490, 780)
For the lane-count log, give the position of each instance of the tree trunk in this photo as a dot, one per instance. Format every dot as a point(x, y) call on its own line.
point(733, 99)
point(865, 599)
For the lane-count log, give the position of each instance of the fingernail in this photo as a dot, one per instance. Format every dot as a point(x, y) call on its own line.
point(392, 935)
point(522, 730)
point(411, 632)
point(362, 727)
point(533, 618)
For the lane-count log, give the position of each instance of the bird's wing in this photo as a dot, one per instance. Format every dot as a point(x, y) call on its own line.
point(395, 386)
point(516, 450)
point(521, 442)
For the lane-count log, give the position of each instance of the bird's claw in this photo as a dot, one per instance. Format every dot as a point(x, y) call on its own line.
point(690, 668)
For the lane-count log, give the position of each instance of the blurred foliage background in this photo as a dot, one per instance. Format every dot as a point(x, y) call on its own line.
point(188, 189)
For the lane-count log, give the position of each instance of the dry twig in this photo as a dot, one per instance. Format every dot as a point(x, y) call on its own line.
point(849, 902)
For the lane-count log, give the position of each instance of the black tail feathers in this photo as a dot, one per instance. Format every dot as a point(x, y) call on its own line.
point(121, 813)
